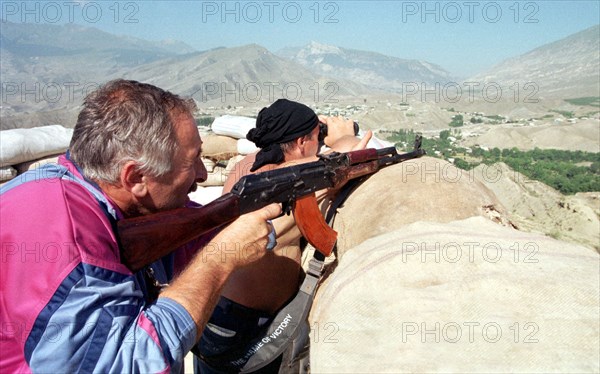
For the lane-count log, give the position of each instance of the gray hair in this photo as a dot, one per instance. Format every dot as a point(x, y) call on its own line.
point(127, 121)
point(289, 146)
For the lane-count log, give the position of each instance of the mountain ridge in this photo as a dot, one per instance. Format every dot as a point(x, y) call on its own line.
point(369, 68)
point(39, 60)
point(568, 67)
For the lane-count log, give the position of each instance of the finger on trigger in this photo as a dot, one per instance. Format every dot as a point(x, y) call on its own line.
point(271, 211)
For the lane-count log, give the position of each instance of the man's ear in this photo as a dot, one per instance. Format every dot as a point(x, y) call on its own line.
point(133, 180)
point(301, 144)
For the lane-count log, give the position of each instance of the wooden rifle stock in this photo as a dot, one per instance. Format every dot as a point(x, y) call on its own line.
point(145, 239)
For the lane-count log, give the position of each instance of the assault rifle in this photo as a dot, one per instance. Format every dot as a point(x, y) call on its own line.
point(145, 239)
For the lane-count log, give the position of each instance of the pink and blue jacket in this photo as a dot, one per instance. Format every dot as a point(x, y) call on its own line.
point(67, 304)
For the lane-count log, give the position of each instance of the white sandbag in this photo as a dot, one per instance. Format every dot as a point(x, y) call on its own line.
point(245, 147)
point(21, 145)
point(467, 296)
point(234, 126)
point(216, 177)
point(375, 142)
point(7, 173)
point(34, 164)
point(208, 164)
point(204, 195)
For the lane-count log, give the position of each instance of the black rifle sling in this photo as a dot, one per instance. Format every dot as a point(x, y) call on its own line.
point(341, 198)
point(300, 337)
point(274, 339)
point(300, 342)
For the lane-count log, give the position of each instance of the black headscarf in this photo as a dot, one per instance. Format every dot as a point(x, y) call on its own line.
point(282, 122)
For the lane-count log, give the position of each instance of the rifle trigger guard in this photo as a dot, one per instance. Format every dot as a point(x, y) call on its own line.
point(287, 207)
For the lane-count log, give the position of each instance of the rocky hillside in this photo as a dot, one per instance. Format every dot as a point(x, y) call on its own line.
point(47, 69)
point(534, 206)
point(566, 68)
point(243, 76)
point(56, 54)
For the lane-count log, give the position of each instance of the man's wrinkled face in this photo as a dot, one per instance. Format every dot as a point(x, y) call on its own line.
point(171, 191)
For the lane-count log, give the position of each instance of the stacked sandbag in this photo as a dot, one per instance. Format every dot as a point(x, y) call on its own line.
point(233, 126)
point(468, 296)
point(219, 154)
point(204, 195)
point(30, 165)
point(218, 147)
point(236, 127)
point(23, 149)
point(222, 148)
point(423, 189)
point(22, 145)
point(7, 173)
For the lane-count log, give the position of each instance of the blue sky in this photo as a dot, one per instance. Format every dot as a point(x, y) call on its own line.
point(464, 37)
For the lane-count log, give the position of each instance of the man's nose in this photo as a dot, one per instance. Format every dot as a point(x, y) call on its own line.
point(201, 172)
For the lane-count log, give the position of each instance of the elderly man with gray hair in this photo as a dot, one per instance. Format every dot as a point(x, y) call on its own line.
point(68, 302)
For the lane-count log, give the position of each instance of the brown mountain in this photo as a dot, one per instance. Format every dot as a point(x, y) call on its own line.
point(242, 76)
point(369, 68)
point(566, 68)
point(47, 70)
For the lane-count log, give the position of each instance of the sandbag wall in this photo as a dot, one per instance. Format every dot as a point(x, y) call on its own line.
point(25, 149)
point(222, 147)
point(224, 144)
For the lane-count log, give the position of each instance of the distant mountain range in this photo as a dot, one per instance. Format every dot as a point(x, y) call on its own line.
point(368, 68)
point(568, 67)
point(28, 40)
point(242, 76)
point(46, 70)
point(50, 67)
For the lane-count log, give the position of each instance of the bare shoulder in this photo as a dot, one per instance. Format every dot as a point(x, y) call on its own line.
point(239, 170)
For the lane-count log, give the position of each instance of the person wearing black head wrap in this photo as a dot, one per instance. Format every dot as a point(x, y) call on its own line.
point(280, 123)
point(285, 131)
